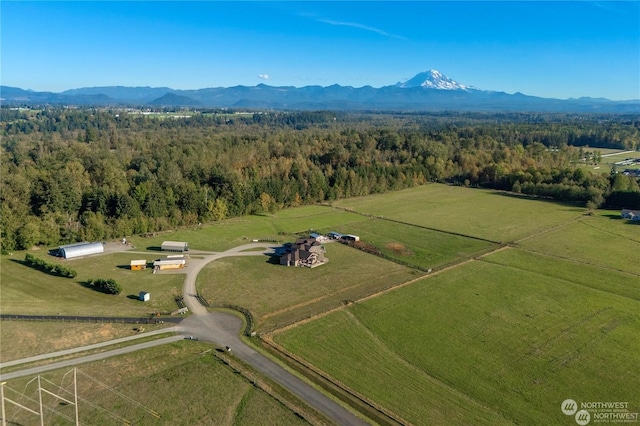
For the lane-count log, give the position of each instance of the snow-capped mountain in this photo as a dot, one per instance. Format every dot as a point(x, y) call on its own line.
point(434, 79)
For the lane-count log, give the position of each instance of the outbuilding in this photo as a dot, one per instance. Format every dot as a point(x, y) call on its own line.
point(70, 251)
point(144, 296)
point(175, 246)
point(164, 264)
point(350, 237)
point(138, 265)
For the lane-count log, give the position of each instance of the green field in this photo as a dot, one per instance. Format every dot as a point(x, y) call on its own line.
point(223, 235)
point(294, 293)
point(603, 240)
point(497, 334)
point(28, 291)
point(416, 246)
point(201, 390)
point(492, 215)
point(612, 156)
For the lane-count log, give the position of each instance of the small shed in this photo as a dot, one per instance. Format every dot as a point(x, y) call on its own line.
point(174, 246)
point(144, 296)
point(70, 251)
point(350, 237)
point(138, 265)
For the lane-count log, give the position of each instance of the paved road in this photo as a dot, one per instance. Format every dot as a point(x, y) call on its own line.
point(89, 358)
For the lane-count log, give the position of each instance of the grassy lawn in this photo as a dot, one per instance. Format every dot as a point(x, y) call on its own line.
point(512, 340)
point(28, 291)
point(201, 391)
point(604, 239)
point(480, 213)
point(265, 288)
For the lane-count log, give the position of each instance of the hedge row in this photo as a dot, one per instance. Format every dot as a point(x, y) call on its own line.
point(49, 268)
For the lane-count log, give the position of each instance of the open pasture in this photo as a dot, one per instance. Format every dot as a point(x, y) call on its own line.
point(200, 388)
point(226, 234)
point(278, 294)
point(28, 291)
point(493, 215)
point(603, 240)
point(514, 341)
point(416, 246)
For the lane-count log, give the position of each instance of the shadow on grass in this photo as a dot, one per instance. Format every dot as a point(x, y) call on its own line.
point(613, 216)
point(578, 205)
point(86, 284)
point(133, 297)
point(154, 248)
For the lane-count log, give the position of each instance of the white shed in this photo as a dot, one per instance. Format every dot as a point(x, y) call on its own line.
point(174, 246)
point(144, 296)
point(70, 251)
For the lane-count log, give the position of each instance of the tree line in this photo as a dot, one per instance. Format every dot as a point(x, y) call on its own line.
point(94, 174)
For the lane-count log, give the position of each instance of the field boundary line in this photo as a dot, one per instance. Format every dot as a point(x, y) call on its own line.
point(289, 400)
point(551, 229)
point(281, 350)
point(582, 262)
point(457, 234)
point(561, 278)
point(609, 232)
point(413, 367)
point(315, 300)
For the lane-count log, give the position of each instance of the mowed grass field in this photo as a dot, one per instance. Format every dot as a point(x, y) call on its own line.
point(416, 246)
point(28, 291)
point(491, 341)
point(603, 240)
point(496, 216)
point(180, 382)
point(276, 294)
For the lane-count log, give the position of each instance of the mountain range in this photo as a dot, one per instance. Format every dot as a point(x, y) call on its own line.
point(427, 91)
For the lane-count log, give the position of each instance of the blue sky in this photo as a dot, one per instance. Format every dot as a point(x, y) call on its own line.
point(550, 49)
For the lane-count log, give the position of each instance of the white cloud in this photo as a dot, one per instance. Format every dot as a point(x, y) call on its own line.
point(264, 76)
point(361, 27)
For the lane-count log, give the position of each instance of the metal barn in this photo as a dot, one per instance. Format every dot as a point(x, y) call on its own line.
point(70, 251)
point(174, 246)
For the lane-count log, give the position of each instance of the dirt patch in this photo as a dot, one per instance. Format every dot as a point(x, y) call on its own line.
point(399, 249)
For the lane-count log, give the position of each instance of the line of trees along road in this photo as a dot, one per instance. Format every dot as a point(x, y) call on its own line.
point(86, 174)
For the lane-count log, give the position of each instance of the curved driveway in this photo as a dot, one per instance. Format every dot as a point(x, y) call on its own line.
point(216, 327)
point(224, 329)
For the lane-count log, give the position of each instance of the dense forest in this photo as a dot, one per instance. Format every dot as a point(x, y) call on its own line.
point(93, 174)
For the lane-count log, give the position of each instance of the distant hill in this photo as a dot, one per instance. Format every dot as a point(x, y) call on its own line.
point(427, 91)
point(173, 100)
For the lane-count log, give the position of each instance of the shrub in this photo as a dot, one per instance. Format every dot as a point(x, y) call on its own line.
point(109, 286)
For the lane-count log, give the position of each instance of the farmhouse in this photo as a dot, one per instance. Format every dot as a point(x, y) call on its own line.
point(306, 252)
point(630, 214)
point(138, 265)
point(70, 251)
point(174, 246)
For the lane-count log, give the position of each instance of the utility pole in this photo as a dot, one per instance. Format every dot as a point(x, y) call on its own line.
point(4, 416)
point(75, 395)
